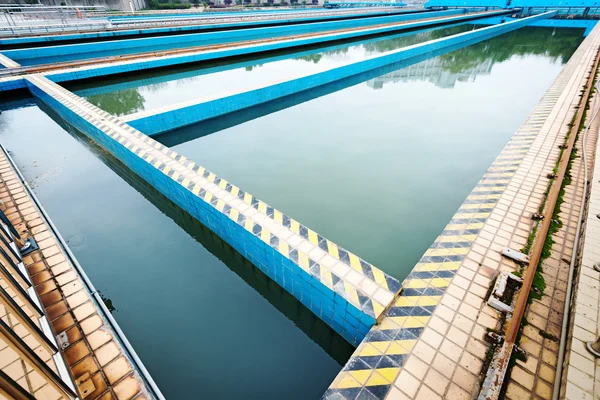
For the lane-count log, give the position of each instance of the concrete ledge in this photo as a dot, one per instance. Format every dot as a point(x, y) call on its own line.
point(71, 309)
point(7, 62)
point(12, 83)
point(207, 38)
point(191, 27)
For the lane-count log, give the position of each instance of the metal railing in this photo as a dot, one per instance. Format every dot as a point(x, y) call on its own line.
point(17, 285)
point(19, 15)
point(103, 310)
point(125, 23)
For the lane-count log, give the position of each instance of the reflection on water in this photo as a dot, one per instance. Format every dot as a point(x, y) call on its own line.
point(121, 102)
point(122, 99)
point(434, 71)
point(445, 71)
point(464, 65)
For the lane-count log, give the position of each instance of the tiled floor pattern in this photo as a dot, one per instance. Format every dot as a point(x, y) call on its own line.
point(7, 62)
point(92, 346)
point(534, 379)
point(360, 283)
point(581, 377)
point(430, 344)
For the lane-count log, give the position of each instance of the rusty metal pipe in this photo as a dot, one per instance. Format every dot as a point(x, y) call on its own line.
point(540, 238)
point(567, 306)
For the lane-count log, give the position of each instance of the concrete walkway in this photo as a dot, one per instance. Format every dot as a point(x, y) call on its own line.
point(93, 354)
point(431, 345)
point(581, 377)
point(535, 378)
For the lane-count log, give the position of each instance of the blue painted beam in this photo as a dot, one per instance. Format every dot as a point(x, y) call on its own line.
point(350, 4)
point(587, 24)
point(194, 111)
point(343, 290)
point(544, 4)
point(127, 46)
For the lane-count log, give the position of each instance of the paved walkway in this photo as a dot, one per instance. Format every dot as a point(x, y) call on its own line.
point(581, 377)
point(92, 352)
point(534, 379)
point(430, 345)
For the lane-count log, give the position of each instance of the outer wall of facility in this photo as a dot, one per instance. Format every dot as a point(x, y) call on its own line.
point(123, 5)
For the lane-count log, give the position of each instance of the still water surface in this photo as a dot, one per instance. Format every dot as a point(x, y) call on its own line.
point(378, 167)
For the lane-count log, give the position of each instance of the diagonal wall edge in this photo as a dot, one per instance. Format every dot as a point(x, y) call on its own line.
point(345, 291)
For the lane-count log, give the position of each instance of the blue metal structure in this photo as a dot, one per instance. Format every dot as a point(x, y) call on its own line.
point(467, 3)
point(585, 8)
point(351, 4)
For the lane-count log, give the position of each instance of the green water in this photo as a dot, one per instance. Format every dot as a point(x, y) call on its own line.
point(378, 167)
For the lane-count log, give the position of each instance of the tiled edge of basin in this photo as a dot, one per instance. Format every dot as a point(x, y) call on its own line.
point(94, 355)
point(429, 344)
point(346, 292)
point(191, 26)
point(581, 376)
point(218, 37)
point(8, 83)
point(12, 83)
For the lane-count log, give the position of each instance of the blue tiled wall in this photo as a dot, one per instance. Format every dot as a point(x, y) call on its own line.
point(332, 308)
point(12, 84)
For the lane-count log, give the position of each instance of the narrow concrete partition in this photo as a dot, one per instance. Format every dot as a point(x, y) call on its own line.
point(346, 292)
point(192, 27)
point(164, 119)
point(207, 38)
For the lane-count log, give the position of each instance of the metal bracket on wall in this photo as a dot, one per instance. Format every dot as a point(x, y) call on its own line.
point(515, 255)
point(85, 385)
point(29, 245)
point(63, 340)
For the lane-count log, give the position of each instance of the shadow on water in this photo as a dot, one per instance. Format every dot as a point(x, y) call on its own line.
point(454, 59)
point(302, 317)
